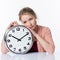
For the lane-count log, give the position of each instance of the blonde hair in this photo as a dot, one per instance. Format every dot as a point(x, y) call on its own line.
point(26, 10)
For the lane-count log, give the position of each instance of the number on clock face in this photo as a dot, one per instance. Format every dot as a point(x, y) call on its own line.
point(29, 38)
point(28, 43)
point(13, 31)
point(8, 40)
point(18, 29)
point(19, 39)
point(10, 45)
point(19, 50)
point(23, 30)
point(14, 49)
point(10, 35)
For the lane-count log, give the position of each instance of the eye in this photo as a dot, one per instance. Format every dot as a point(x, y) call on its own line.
point(30, 19)
point(24, 22)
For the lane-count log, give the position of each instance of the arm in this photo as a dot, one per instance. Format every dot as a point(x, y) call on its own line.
point(3, 47)
point(47, 42)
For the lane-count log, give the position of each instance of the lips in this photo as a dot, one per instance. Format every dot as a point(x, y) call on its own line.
point(31, 27)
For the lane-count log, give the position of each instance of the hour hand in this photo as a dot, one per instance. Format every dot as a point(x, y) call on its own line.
point(15, 37)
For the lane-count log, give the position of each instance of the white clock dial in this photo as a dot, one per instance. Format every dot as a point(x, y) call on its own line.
point(18, 39)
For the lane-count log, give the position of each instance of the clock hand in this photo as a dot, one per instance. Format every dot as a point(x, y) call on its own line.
point(24, 35)
point(16, 38)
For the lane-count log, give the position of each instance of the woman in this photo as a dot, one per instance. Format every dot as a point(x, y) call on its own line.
point(43, 41)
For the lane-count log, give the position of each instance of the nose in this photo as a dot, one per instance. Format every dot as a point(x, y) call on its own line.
point(29, 24)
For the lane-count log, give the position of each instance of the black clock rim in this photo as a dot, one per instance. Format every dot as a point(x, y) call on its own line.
point(5, 35)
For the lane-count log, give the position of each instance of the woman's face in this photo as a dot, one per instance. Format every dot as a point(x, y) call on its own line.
point(29, 21)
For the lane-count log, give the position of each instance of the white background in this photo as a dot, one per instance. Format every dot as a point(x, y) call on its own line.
point(48, 12)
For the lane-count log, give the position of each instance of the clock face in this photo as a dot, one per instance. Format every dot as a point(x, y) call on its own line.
point(18, 39)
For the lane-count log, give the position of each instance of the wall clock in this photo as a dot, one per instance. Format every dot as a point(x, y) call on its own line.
point(18, 39)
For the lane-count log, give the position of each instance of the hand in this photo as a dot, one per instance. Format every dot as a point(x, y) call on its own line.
point(12, 24)
point(33, 32)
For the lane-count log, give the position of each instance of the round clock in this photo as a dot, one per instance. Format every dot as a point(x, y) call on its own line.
point(18, 39)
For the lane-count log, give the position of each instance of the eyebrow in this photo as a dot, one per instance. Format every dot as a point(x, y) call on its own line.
point(30, 18)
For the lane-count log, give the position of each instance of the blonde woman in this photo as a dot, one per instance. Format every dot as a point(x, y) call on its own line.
point(42, 41)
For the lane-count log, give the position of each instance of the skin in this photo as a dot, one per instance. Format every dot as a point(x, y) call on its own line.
point(30, 22)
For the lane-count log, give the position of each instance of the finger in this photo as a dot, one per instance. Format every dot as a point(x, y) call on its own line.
point(13, 24)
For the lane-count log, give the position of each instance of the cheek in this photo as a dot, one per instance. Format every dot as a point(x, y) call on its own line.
point(33, 22)
point(26, 25)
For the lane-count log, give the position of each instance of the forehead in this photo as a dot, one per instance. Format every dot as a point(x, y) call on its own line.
point(26, 17)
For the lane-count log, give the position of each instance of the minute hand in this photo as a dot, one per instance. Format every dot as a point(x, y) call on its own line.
point(24, 36)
